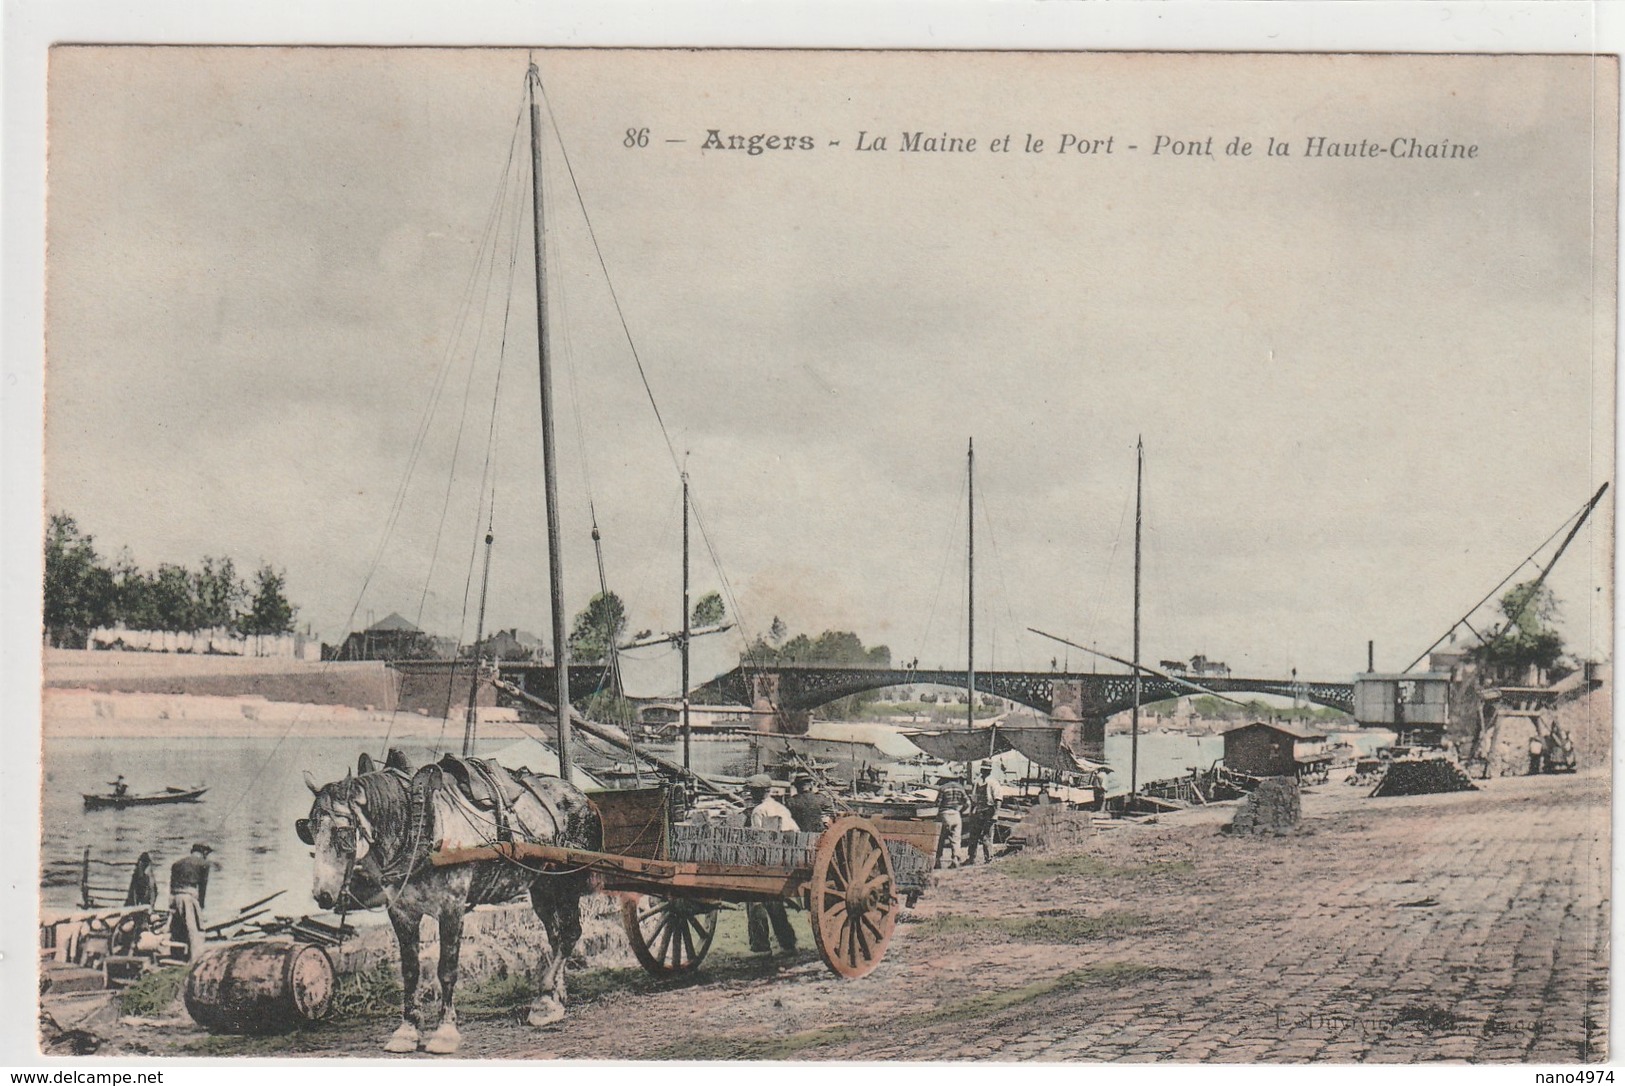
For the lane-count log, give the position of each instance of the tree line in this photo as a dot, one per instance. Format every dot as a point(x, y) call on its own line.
point(83, 592)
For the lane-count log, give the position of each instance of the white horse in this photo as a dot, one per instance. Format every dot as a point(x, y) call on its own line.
point(372, 835)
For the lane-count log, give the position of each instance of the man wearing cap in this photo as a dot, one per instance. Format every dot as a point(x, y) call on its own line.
point(984, 808)
point(188, 893)
point(767, 813)
point(952, 799)
point(805, 806)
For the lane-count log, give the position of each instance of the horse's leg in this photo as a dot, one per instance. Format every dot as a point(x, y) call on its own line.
point(445, 1039)
point(558, 903)
point(405, 922)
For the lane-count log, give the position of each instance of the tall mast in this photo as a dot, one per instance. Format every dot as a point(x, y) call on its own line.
point(1134, 721)
point(970, 566)
point(684, 642)
point(555, 569)
point(469, 724)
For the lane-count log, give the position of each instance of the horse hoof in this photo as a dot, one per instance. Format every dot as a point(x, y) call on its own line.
point(545, 1011)
point(404, 1039)
point(443, 1041)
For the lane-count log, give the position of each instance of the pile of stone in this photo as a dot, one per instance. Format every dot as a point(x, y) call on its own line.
point(1051, 827)
point(1271, 808)
point(1423, 776)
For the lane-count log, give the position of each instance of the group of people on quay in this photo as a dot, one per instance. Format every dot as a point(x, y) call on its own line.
point(967, 814)
point(188, 895)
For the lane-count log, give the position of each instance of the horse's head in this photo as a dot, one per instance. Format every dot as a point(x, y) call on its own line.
point(342, 833)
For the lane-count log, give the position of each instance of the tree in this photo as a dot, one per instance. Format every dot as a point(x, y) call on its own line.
point(218, 594)
point(597, 627)
point(174, 599)
point(605, 707)
point(270, 612)
point(709, 611)
point(1526, 637)
point(777, 632)
point(830, 647)
point(80, 593)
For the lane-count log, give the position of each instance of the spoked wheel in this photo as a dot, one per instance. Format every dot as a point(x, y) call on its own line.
point(853, 897)
point(669, 936)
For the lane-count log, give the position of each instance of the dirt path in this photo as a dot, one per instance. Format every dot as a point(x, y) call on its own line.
point(1470, 926)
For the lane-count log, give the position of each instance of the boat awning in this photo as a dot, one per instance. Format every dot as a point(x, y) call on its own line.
point(1043, 745)
point(965, 745)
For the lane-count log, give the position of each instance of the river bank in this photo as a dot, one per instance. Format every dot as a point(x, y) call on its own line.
point(1470, 927)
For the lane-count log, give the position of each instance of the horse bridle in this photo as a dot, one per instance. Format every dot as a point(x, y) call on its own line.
point(349, 832)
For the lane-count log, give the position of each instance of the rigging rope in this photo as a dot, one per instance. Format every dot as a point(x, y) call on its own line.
point(609, 282)
point(489, 470)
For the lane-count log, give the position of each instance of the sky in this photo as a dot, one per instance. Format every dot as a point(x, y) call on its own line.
point(280, 311)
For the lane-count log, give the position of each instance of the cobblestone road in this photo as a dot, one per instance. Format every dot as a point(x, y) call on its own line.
point(1471, 926)
point(1465, 927)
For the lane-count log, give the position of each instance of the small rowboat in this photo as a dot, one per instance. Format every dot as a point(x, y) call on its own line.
point(171, 794)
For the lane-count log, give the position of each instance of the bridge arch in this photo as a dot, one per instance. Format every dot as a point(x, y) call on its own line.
point(800, 688)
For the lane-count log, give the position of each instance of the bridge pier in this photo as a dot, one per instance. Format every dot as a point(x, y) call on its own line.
point(765, 699)
point(1074, 706)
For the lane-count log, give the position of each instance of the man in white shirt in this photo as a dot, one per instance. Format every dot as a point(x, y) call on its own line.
point(767, 813)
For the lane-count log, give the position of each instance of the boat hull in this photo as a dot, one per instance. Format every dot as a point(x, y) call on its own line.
point(95, 802)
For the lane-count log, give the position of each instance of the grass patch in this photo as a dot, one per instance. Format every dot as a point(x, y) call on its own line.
point(1049, 867)
point(368, 994)
point(1054, 928)
point(1104, 976)
point(496, 995)
point(152, 995)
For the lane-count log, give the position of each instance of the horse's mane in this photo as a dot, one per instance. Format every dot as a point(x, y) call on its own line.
point(388, 802)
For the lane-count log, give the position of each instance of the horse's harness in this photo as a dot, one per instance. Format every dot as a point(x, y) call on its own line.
point(350, 831)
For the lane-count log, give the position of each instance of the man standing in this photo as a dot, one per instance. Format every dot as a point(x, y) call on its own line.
point(767, 813)
point(952, 799)
point(1537, 753)
point(805, 806)
point(188, 894)
point(984, 809)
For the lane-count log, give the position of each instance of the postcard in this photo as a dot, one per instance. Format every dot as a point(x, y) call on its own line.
point(793, 554)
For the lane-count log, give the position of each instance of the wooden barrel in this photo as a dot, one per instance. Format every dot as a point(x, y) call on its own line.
point(259, 987)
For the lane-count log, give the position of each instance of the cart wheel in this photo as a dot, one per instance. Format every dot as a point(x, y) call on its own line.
point(669, 936)
point(853, 897)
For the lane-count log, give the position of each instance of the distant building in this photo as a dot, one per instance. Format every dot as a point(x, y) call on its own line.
point(1271, 750)
point(514, 644)
point(665, 718)
point(394, 638)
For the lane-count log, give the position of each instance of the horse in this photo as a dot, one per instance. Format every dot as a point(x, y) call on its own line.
point(372, 833)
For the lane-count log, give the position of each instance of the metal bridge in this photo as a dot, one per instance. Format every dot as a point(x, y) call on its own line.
point(802, 687)
point(796, 689)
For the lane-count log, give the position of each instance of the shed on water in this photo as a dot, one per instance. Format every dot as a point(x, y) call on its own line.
point(1270, 750)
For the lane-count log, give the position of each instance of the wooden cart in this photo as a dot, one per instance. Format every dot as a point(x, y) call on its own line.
point(853, 879)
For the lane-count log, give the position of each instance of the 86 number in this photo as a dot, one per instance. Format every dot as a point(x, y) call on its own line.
point(636, 137)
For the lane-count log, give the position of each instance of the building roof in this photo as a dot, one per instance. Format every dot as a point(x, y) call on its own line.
point(1284, 729)
point(393, 623)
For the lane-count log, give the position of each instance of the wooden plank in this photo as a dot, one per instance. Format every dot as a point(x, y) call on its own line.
point(661, 875)
point(552, 854)
point(693, 885)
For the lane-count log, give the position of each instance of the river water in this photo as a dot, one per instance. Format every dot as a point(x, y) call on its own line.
point(256, 791)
